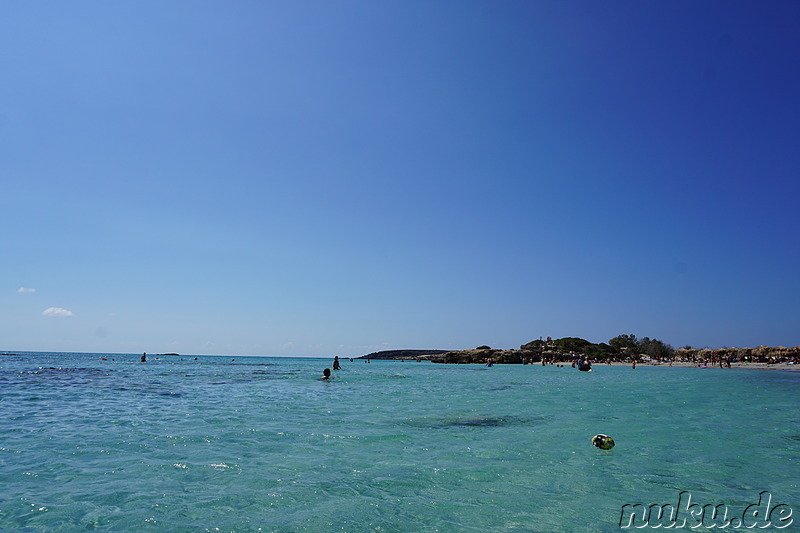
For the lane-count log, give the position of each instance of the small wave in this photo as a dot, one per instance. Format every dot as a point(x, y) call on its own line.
point(224, 466)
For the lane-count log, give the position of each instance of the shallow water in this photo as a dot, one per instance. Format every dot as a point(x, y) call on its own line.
point(258, 444)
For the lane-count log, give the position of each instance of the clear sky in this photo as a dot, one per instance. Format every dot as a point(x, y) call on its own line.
point(315, 178)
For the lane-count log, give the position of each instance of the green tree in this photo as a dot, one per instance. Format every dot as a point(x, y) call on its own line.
point(571, 344)
point(654, 348)
point(598, 351)
point(621, 342)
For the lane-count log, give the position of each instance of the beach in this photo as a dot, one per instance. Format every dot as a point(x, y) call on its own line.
point(786, 367)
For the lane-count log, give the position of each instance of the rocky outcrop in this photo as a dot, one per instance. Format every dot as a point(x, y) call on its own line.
point(552, 351)
point(512, 357)
point(479, 356)
point(403, 354)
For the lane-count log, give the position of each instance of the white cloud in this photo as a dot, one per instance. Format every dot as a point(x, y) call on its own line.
point(56, 311)
point(25, 289)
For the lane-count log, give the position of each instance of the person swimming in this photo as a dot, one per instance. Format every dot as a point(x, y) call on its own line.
point(326, 374)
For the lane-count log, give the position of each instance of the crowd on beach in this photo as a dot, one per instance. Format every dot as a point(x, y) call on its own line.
point(763, 355)
point(713, 360)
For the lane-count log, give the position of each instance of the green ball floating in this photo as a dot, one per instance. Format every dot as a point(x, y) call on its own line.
point(604, 442)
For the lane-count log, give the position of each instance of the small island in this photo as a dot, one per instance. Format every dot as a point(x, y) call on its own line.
point(622, 349)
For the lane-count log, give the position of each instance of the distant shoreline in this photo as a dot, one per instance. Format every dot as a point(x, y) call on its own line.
point(676, 364)
point(760, 358)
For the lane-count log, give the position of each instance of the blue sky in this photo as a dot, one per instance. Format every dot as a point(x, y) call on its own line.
point(318, 178)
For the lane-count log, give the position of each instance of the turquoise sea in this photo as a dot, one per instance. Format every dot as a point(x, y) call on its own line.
point(259, 444)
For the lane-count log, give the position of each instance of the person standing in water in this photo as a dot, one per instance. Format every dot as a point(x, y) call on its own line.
point(144, 357)
point(336, 365)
